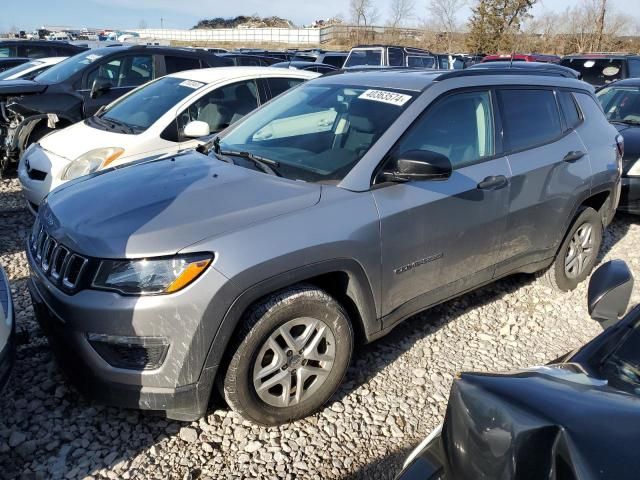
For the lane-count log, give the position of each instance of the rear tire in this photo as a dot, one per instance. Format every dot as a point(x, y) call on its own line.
point(291, 354)
point(578, 253)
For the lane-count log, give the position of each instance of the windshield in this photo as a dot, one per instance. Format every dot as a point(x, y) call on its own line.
point(596, 71)
point(19, 69)
point(144, 106)
point(318, 132)
point(621, 104)
point(66, 68)
point(364, 57)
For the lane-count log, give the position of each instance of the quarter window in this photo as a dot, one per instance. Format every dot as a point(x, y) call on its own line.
point(569, 109)
point(179, 64)
point(529, 117)
point(459, 126)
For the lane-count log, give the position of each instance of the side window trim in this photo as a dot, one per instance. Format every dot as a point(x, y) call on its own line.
point(507, 148)
point(495, 120)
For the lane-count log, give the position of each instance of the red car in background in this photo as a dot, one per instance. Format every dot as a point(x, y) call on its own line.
point(522, 57)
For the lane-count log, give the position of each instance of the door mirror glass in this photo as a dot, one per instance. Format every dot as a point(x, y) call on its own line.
point(609, 292)
point(196, 129)
point(100, 86)
point(418, 165)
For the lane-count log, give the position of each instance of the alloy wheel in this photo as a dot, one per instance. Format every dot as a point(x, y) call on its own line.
point(294, 362)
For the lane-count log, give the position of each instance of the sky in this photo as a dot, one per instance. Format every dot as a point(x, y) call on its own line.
point(123, 14)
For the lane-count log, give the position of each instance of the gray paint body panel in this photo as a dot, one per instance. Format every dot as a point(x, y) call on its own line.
point(267, 233)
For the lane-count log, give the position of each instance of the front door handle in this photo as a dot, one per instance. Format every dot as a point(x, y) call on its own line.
point(494, 182)
point(573, 156)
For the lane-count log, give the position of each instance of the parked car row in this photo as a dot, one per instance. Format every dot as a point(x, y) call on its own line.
point(146, 276)
point(165, 116)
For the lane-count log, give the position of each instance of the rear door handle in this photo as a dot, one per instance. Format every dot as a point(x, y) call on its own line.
point(494, 182)
point(573, 156)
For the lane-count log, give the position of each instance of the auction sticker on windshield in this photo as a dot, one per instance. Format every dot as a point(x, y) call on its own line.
point(191, 84)
point(383, 96)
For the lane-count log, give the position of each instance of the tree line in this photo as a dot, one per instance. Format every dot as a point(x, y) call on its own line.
point(507, 25)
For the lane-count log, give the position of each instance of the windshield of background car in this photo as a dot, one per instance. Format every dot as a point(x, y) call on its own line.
point(318, 132)
point(143, 107)
point(621, 104)
point(364, 57)
point(621, 368)
point(65, 69)
point(19, 69)
point(597, 71)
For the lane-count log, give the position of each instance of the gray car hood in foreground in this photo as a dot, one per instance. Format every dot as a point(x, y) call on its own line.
point(162, 206)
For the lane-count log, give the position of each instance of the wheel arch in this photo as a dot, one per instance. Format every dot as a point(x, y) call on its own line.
point(343, 279)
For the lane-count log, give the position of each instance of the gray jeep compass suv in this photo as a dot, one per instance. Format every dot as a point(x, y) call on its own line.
point(322, 219)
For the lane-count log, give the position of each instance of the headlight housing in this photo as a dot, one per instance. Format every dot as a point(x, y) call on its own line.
point(151, 276)
point(634, 171)
point(91, 161)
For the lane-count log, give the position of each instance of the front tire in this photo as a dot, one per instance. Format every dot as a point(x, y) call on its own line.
point(578, 253)
point(292, 353)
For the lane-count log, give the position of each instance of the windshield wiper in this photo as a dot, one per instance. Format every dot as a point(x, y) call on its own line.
point(118, 123)
point(265, 164)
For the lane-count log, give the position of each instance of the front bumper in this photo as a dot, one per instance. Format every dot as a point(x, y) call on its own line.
point(7, 330)
point(39, 172)
point(180, 387)
point(630, 195)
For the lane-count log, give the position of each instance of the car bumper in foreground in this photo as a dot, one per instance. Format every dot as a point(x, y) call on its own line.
point(7, 330)
point(630, 195)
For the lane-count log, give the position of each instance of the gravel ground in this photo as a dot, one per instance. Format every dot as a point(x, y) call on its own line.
point(394, 394)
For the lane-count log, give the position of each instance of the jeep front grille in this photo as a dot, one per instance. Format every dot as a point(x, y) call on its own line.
point(61, 265)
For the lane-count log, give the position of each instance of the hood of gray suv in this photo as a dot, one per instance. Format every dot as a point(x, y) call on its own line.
point(162, 206)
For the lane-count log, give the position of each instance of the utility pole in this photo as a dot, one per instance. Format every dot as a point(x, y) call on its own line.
point(161, 23)
point(600, 25)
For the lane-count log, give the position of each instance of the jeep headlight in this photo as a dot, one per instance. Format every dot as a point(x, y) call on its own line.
point(634, 171)
point(91, 161)
point(151, 275)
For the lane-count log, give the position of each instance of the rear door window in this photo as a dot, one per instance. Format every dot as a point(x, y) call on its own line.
point(334, 60)
point(279, 85)
point(7, 52)
point(36, 51)
point(634, 67)
point(178, 64)
point(396, 57)
point(529, 117)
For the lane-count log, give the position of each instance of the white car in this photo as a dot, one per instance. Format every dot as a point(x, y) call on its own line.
point(31, 69)
point(161, 117)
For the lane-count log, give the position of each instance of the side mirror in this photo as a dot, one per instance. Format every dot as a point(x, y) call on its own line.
point(609, 292)
point(418, 165)
point(196, 129)
point(100, 86)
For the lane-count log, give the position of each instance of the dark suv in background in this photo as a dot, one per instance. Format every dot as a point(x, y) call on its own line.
point(322, 219)
point(77, 87)
point(38, 48)
point(599, 69)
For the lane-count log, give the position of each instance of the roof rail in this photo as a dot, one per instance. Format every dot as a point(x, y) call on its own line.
point(479, 72)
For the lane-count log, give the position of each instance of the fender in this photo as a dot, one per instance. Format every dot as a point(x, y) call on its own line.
point(24, 129)
point(358, 290)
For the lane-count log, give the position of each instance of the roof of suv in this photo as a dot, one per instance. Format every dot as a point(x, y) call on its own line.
point(210, 75)
point(418, 79)
point(616, 55)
